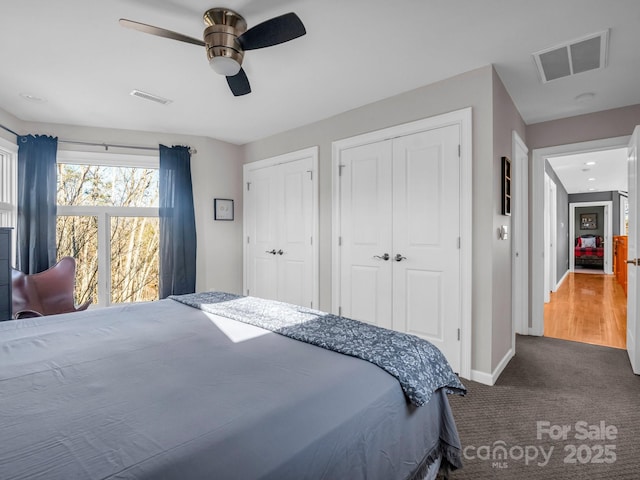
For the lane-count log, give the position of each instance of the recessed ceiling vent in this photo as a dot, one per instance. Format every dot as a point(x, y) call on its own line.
point(578, 56)
point(150, 96)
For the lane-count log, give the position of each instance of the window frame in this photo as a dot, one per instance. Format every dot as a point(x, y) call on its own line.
point(105, 213)
point(9, 188)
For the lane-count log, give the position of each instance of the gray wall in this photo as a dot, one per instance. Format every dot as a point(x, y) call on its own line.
point(599, 212)
point(613, 197)
point(613, 123)
point(562, 240)
point(506, 119)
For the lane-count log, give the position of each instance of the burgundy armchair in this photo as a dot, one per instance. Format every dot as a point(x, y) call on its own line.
point(45, 293)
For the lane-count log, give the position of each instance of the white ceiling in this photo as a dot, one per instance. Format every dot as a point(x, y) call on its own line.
point(76, 56)
point(602, 171)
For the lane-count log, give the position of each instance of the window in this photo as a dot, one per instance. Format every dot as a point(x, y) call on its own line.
point(8, 184)
point(9, 188)
point(108, 221)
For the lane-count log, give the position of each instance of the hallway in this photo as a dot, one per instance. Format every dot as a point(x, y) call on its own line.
point(588, 308)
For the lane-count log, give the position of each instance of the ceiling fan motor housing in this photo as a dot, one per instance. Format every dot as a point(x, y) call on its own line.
point(221, 35)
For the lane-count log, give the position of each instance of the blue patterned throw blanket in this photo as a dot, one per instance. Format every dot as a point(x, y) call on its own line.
point(418, 365)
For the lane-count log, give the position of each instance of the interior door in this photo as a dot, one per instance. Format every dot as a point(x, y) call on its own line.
point(426, 233)
point(366, 233)
point(294, 252)
point(633, 283)
point(519, 239)
point(553, 237)
point(547, 240)
point(280, 230)
point(262, 231)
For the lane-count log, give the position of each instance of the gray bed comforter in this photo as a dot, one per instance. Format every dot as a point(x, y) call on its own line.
point(166, 391)
point(417, 364)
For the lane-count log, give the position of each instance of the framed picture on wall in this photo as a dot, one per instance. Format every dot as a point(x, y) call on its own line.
point(588, 221)
point(223, 209)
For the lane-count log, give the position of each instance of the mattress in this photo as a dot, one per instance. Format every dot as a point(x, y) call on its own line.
point(165, 391)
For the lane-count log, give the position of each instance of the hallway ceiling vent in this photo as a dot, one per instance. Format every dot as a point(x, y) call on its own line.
point(577, 56)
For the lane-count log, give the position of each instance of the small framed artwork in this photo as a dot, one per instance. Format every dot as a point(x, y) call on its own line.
point(588, 221)
point(223, 209)
point(506, 186)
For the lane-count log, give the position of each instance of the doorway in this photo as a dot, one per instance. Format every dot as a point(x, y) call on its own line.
point(591, 220)
point(539, 208)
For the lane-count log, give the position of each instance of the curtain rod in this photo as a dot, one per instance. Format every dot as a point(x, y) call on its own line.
point(106, 146)
point(8, 130)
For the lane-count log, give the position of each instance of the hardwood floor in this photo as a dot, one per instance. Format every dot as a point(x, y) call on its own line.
point(588, 308)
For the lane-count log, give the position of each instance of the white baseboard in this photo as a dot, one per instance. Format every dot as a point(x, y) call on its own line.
point(490, 379)
point(566, 274)
point(481, 377)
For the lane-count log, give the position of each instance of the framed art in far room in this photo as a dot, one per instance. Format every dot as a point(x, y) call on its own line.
point(223, 209)
point(588, 221)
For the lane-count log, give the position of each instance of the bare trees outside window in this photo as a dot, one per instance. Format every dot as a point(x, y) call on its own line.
point(108, 221)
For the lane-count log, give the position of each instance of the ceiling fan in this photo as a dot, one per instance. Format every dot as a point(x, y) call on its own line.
point(226, 38)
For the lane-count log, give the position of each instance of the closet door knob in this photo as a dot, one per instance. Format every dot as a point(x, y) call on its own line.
point(272, 252)
point(399, 258)
point(384, 257)
point(280, 252)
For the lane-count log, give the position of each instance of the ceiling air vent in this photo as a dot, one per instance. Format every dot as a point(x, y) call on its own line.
point(150, 96)
point(582, 55)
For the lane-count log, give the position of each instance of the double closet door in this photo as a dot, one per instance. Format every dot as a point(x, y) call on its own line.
point(400, 235)
point(279, 232)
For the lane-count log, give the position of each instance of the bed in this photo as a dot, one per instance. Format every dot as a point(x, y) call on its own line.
point(589, 251)
point(171, 390)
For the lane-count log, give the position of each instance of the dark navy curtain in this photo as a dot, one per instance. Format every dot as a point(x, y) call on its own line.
point(36, 236)
point(177, 223)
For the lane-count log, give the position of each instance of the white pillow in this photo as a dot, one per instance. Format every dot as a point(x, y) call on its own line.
point(588, 242)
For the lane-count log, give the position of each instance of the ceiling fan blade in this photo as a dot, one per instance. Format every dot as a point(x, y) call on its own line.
point(160, 32)
point(272, 32)
point(239, 84)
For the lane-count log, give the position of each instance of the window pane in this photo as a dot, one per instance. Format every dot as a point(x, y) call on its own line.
point(8, 179)
point(134, 259)
point(107, 186)
point(77, 237)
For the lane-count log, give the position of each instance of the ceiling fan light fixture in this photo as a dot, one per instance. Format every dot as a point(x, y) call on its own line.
point(221, 39)
point(226, 38)
point(226, 66)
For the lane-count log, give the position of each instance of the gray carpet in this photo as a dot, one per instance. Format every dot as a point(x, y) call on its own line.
point(560, 383)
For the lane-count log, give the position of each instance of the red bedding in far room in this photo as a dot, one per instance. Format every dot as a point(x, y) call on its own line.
point(589, 250)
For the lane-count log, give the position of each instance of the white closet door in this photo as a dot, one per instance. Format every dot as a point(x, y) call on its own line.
point(279, 225)
point(295, 254)
point(262, 229)
point(426, 201)
point(366, 231)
